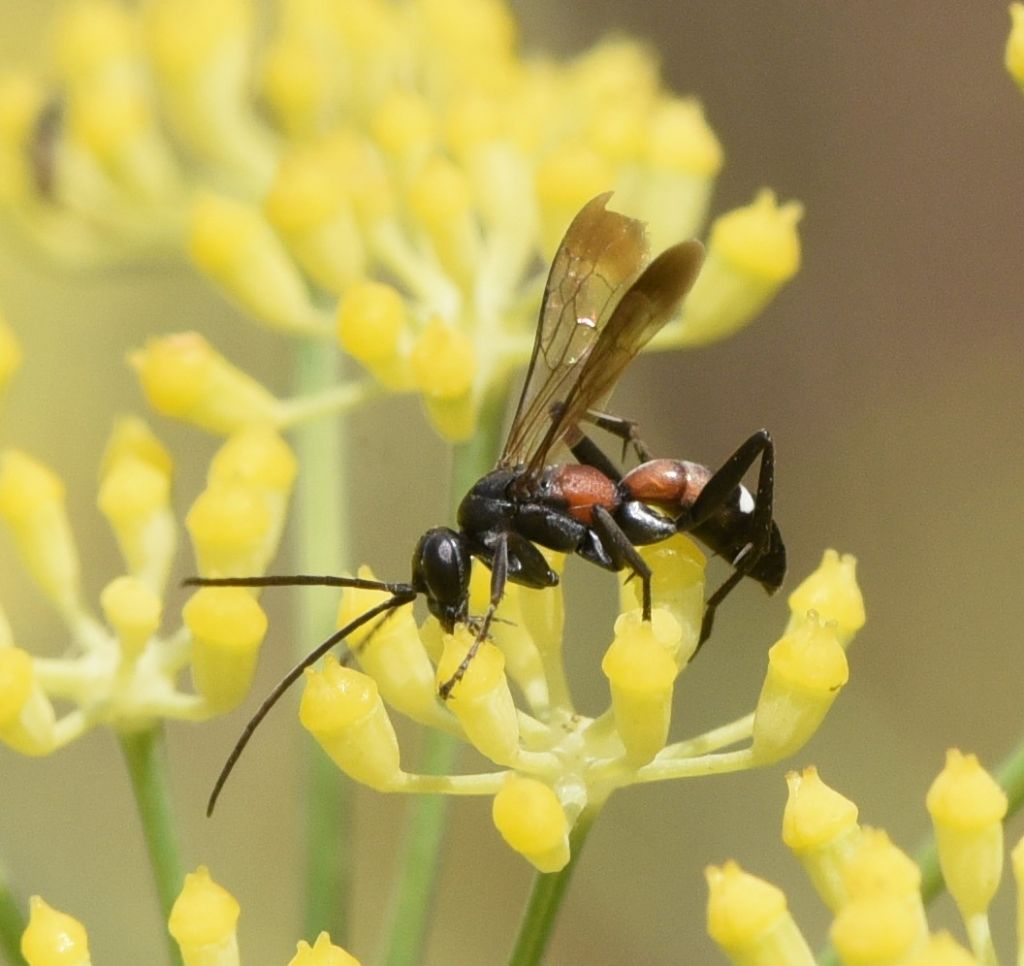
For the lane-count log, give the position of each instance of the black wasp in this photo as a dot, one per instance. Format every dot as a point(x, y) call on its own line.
point(601, 305)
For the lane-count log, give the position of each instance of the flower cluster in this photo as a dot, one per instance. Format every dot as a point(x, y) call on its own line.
point(872, 887)
point(554, 763)
point(397, 187)
point(122, 670)
point(202, 922)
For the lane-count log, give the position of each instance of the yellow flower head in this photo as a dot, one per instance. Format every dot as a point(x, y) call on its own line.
point(409, 145)
point(123, 669)
point(507, 696)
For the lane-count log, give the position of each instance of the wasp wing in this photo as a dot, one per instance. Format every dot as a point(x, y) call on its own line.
point(600, 256)
point(645, 307)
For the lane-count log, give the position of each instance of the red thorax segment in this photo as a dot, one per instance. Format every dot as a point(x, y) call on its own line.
point(582, 488)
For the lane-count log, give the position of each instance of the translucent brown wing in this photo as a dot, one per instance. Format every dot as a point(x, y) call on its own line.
point(600, 256)
point(645, 307)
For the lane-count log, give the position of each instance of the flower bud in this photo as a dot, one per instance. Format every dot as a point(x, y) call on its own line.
point(342, 709)
point(10, 353)
point(820, 826)
point(967, 809)
point(322, 953)
point(132, 437)
point(227, 627)
point(806, 670)
point(677, 585)
point(392, 653)
point(134, 611)
point(881, 929)
point(230, 527)
point(876, 865)
point(204, 922)
point(1015, 44)
point(185, 378)
point(1017, 864)
point(444, 364)
point(135, 496)
point(749, 920)
point(641, 671)
point(568, 177)
point(257, 458)
point(482, 700)
point(441, 202)
point(53, 938)
point(752, 252)
point(32, 503)
point(308, 204)
point(232, 243)
point(403, 124)
point(27, 718)
point(941, 950)
point(201, 51)
point(671, 187)
point(531, 820)
point(372, 325)
point(443, 361)
point(832, 593)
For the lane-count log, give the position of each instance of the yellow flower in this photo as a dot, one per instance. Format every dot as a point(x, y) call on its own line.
point(1015, 44)
point(123, 669)
point(512, 704)
point(874, 889)
point(10, 353)
point(203, 922)
point(54, 938)
point(410, 145)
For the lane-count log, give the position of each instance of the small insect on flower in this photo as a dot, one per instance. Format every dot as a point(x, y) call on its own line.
point(603, 302)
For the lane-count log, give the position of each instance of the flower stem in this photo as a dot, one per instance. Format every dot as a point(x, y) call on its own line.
point(12, 924)
point(546, 899)
point(419, 859)
point(145, 755)
point(321, 534)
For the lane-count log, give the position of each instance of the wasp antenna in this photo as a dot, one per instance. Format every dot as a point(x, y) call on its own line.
point(397, 599)
point(299, 580)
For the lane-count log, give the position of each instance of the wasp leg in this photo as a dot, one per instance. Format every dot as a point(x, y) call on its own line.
point(589, 453)
point(625, 429)
point(623, 553)
point(499, 577)
point(716, 492)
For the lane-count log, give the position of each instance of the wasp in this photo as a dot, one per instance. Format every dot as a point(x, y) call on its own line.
point(602, 303)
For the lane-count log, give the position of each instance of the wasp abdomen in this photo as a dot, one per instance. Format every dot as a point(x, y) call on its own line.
point(671, 484)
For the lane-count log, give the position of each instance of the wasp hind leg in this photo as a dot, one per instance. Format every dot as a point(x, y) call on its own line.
point(714, 495)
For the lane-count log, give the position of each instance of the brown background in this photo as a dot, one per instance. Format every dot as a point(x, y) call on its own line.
point(890, 373)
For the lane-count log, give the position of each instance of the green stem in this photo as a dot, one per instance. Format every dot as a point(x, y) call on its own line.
point(1010, 775)
point(321, 538)
point(420, 856)
point(146, 757)
point(546, 900)
point(12, 925)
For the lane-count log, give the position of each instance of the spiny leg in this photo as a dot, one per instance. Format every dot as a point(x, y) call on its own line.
point(714, 495)
point(499, 577)
point(622, 551)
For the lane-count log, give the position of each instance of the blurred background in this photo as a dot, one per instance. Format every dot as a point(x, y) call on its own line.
point(890, 372)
